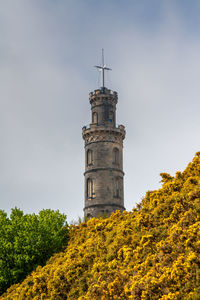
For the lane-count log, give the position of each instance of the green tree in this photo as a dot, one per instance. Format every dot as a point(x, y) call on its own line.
point(28, 240)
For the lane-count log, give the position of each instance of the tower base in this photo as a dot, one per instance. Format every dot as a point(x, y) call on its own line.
point(98, 210)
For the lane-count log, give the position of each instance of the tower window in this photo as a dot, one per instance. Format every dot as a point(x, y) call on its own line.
point(117, 187)
point(94, 118)
point(110, 116)
point(89, 157)
point(116, 156)
point(90, 188)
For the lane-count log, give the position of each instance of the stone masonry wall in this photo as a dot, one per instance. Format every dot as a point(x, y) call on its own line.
point(105, 169)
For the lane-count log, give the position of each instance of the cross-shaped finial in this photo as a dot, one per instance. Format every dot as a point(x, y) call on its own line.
point(103, 68)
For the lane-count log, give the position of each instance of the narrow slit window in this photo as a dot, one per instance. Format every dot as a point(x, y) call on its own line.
point(94, 118)
point(116, 156)
point(117, 187)
point(89, 157)
point(110, 117)
point(90, 188)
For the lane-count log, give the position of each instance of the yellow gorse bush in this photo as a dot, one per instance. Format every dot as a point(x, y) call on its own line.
point(150, 253)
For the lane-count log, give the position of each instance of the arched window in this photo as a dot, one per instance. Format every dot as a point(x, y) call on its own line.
point(111, 116)
point(90, 188)
point(117, 187)
point(94, 118)
point(89, 157)
point(116, 156)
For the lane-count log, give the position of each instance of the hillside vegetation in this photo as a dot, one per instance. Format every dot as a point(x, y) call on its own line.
point(150, 253)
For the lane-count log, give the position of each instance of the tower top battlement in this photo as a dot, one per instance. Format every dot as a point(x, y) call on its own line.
point(103, 91)
point(105, 95)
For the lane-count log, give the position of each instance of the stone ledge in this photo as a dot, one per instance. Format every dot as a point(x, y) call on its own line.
point(103, 205)
point(103, 169)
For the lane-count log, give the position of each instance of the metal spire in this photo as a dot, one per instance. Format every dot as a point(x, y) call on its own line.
point(103, 68)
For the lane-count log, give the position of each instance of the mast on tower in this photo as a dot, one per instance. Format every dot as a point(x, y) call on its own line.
point(103, 68)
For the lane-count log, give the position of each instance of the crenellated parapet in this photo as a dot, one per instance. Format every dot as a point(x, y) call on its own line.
point(107, 98)
point(95, 133)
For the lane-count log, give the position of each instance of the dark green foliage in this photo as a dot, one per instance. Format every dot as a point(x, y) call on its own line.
point(28, 240)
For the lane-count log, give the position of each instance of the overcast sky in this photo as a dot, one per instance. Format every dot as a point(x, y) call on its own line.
point(47, 52)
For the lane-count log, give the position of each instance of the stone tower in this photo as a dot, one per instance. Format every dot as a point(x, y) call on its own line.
point(104, 187)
